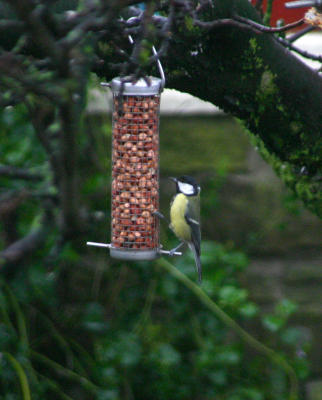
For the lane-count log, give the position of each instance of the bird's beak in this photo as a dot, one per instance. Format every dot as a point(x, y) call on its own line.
point(173, 179)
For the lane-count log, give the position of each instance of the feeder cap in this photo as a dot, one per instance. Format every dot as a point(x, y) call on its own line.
point(139, 88)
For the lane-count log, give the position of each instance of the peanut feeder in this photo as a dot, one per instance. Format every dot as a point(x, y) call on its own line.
point(135, 170)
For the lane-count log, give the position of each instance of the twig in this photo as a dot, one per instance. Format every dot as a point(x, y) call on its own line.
point(299, 34)
point(23, 247)
point(21, 375)
point(19, 173)
point(41, 35)
point(268, 29)
point(68, 373)
point(285, 42)
point(218, 23)
point(303, 53)
point(10, 200)
point(54, 387)
point(15, 67)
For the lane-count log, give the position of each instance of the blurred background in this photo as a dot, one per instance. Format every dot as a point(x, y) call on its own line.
point(76, 324)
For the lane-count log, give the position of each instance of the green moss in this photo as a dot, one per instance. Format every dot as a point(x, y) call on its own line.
point(267, 92)
point(255, 49)
point(267, 84)
point(252, 59)
point(188, 23)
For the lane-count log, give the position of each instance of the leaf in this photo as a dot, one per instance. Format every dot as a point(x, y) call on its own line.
point(273, 323)
point(232, 296)
point(94, 319)
point(248, 310)
point(227, 356)
point(166, 355)
point(285, 308)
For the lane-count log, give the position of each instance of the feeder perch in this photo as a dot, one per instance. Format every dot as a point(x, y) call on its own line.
point(135, 170)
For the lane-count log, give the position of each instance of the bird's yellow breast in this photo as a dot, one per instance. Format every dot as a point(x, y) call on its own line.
point(177, 216)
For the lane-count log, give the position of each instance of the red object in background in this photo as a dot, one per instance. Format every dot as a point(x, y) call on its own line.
point(279, 11)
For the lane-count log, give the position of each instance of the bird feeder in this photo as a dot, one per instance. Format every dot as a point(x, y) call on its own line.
point(135, 169)
point(135, 231)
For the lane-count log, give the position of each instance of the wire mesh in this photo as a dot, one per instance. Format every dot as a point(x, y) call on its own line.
point(135, 172)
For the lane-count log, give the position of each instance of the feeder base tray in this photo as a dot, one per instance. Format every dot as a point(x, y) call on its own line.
point(146, 255)
point(130, 254)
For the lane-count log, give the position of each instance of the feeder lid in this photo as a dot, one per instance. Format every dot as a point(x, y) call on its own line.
point(139, 88)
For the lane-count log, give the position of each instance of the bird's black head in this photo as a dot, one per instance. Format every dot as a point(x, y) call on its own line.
point(186, 185)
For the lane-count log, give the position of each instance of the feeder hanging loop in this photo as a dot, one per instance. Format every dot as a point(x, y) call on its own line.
point(155, 53)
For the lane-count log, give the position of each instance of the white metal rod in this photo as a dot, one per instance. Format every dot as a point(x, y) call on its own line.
point(98, 244)
point(108, 245)
point(160, 68)
point(167, 252)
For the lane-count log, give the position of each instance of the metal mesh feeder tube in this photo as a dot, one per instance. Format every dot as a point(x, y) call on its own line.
point(135, 169)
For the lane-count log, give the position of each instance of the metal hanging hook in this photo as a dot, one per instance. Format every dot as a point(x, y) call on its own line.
point(155, 53)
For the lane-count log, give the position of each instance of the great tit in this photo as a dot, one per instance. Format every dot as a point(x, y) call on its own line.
point(185, 216)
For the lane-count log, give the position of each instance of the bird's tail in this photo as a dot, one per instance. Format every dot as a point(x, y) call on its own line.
point(197, 260)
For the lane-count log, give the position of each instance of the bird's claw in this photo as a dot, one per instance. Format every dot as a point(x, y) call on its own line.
point(158, 214)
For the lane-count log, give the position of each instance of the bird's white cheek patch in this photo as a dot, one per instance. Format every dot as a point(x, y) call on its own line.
point(185, 188)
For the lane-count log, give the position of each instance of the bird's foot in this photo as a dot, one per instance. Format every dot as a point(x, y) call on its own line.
point(158, 214)
point(171, 252)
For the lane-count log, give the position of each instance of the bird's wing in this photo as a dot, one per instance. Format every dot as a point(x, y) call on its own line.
point(192, 217)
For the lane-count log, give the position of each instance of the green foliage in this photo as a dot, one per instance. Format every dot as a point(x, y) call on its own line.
point(152, 340)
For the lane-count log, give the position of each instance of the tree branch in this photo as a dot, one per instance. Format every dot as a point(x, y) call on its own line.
point(19, 173)
point(303, 53)
point(9, 201)
point(268, 29)
point(17, 251)
point(42, 36)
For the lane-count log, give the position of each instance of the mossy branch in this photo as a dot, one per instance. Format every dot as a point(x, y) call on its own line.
point(87, 384)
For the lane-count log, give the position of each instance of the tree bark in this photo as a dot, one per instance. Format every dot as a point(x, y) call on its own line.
point(256, 79)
